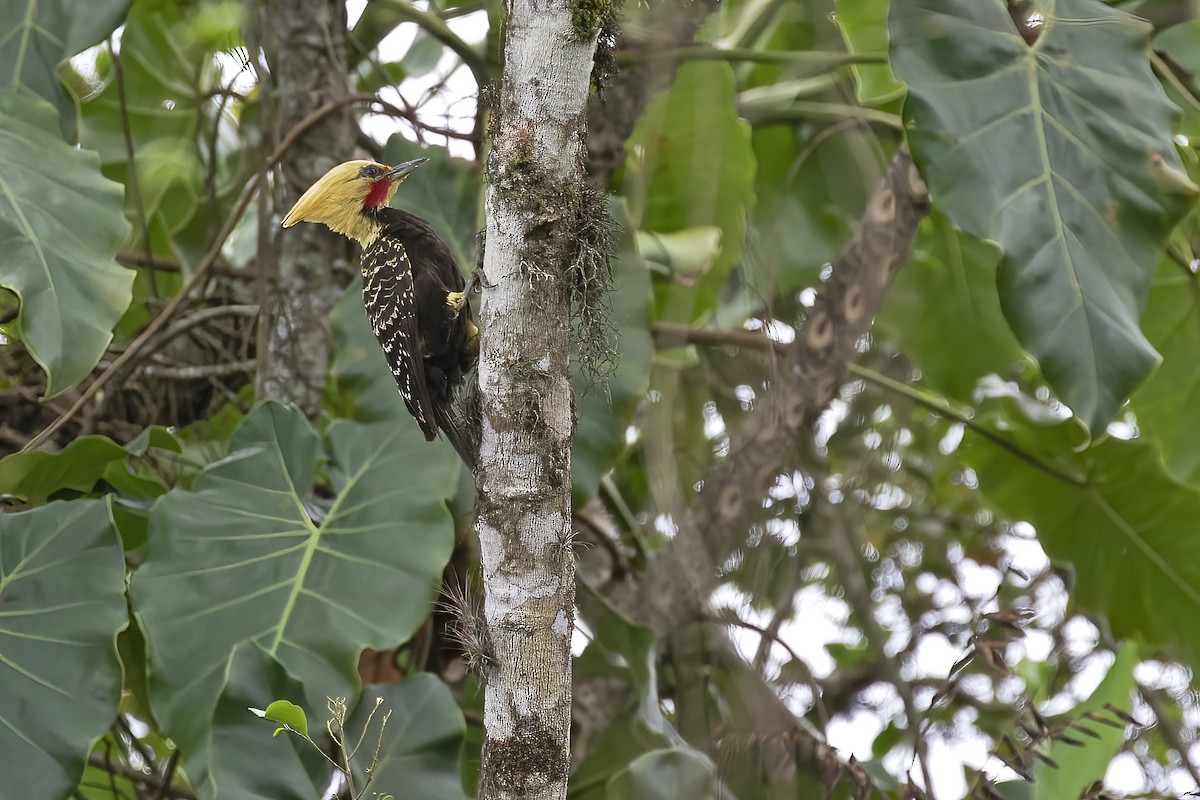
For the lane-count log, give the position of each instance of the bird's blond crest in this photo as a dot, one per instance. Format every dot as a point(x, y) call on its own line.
point(336, 201)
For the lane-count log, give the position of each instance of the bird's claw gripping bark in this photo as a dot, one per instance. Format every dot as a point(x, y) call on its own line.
point(477, 281)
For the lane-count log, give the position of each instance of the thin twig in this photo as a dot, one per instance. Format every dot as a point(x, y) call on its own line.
point(182, 326)
point(137, 745)
point(816, 61)
point(1166, 73)
point(168, 775)
point(845, 545)
point(413, 118)
point(674, 331)
point(769, 635)
point(807, 110)
point(436, 27)
point(201, 371)
point(592, 516)
point(943, 407)
point(135, 189)
point(1170, 732)
point(680, 332)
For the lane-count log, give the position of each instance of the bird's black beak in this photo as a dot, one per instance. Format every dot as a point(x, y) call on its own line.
point(402, 170)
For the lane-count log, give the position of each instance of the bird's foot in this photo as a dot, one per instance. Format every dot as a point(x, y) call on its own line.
point(477, 281)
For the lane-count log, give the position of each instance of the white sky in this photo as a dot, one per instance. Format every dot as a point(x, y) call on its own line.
point(453, 107)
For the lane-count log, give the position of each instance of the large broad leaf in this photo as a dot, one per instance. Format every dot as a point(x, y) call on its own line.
point(40, 34)
point(62, 603)
point(863, 24)
point(692, 165)
point(1078, 766)
point(420, 745)
point(249, 554)
point(808, 205)
point(166, 69)
point(1127, 528)
point(625, 652)
point(1166, 406)
point(665, 775)
point(60, 225)
point(238, 757)
point(944, 311)
point(37, 474)
point(1053, 151)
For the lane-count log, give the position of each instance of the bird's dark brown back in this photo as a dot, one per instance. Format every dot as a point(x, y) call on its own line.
point(435, 274)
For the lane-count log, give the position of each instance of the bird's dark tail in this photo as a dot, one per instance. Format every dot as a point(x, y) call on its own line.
point(463, 435)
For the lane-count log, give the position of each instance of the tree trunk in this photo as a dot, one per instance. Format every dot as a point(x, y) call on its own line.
point(534, 203)
point(305, 46)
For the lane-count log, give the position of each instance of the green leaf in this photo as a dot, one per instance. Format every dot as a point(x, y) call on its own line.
point(1166, 405)
point(1055, 167)
point(944, 311)
point(625, 740)
point(423, 54)
point(421, 743)
point(1182, 42)
point(37, 474)
point(807, 203)
point(863, 24)
point(287, 713)
point(100, 784)
point(217, 23)
point(376, 76)
point(1078, 767)
point(40, 34)
point(250, 554)
point(666, 775)
point(235, 759)
point(1129, 530)
point(62, 603)
point(692, 165)
point(619, 651)
point(689, 252)
point(61, 225)
point(167, 68)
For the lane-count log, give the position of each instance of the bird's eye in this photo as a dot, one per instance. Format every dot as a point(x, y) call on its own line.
point(369, 171)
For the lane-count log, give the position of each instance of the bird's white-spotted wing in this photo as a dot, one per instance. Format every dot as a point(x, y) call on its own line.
point(390, 301)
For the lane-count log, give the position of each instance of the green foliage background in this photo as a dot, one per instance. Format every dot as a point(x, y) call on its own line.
point(184, 552)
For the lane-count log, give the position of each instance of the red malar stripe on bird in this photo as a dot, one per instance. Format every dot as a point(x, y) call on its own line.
point(377, 195)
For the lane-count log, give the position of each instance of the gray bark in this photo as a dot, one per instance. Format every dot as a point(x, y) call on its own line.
point(305, 46)
point(534, 198)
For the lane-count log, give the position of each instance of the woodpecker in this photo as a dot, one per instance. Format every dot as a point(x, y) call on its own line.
point(413, 292)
